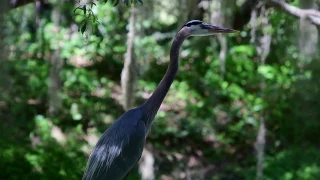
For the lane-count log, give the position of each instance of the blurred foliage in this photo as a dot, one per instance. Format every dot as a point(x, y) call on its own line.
point(88, 18)
point(205, 116)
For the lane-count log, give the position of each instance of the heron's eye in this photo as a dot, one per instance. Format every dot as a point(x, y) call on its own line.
point(202, 26)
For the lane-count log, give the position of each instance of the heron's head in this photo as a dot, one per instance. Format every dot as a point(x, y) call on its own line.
point(199, 28)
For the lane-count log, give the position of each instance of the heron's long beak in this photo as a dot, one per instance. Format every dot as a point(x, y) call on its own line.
point(217, 29)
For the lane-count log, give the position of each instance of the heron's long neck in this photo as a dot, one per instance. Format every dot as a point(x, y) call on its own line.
point(152, 105)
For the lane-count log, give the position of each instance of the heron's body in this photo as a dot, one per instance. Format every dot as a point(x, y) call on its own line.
point(121, 145)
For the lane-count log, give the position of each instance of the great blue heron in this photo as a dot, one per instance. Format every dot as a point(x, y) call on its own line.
point(121, 145)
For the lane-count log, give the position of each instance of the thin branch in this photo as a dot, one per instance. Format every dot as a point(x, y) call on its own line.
point(310, 14)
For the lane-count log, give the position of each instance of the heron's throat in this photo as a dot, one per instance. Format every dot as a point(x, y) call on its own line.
point(152, 105)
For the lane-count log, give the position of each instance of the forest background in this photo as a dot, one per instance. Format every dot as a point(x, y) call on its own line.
point(243, 106)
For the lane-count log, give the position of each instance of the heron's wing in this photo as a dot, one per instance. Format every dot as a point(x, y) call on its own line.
point(117, 151)
point(133, 150)
point(135, 146)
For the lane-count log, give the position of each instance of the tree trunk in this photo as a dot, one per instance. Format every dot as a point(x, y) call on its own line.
point(146, 164)
point(221, 14)
point(4, 75)
point(56, 65)
point(308, 35)
point(129, 71)
point(260, 21)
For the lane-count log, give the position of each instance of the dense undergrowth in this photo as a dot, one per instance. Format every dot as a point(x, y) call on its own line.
point(206, 119)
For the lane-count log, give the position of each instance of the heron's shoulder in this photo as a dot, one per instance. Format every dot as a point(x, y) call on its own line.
point(131, 117)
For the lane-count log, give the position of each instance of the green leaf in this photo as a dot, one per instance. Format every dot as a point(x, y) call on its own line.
point(83, 27)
